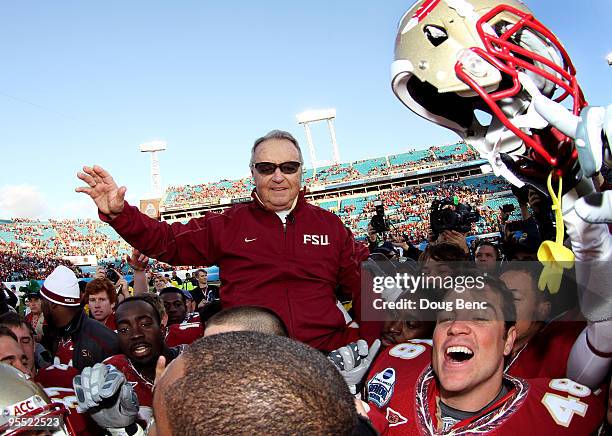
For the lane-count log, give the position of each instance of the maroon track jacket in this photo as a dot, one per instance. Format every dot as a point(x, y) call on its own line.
point(292, 270)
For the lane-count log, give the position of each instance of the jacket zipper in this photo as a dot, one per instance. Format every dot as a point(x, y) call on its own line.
point(290, 326)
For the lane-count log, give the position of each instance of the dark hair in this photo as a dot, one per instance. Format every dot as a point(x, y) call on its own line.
point(12, 319)
point(443, 252)
point(251, 318)
point(496, 286)
point(172, 289)
point(284, 387)
point(209, 309)
point(199, 271)
point(533, 270)
point(485, 243)
point(5, 331)
point(507, 300)
point(147, 298)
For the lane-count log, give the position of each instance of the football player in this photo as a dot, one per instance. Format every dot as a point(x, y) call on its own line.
point(183, 327)
point(101, 297)
point(56, 380)
point(23, 400)
point(142, 342)
point(542, 346)
point(457, 384)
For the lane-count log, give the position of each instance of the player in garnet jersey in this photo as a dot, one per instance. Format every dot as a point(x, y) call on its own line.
point(142, 342)
point(57, 383)
point(457, 386)
point(56, 380)
point(183, 327)
point(542, 347)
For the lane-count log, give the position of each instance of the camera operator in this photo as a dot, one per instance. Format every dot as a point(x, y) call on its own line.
point(450, 221)
point(121, 285)
point(381, 240)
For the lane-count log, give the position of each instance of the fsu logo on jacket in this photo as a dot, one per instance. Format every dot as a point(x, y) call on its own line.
point(316, 239)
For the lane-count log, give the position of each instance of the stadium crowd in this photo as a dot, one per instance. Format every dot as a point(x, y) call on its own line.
point(193, 195)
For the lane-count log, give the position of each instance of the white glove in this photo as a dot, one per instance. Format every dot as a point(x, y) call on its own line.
point(104, 393)
point(353, 361)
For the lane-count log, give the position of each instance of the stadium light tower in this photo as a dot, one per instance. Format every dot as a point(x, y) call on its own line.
point(307, 117)
point(153, 147)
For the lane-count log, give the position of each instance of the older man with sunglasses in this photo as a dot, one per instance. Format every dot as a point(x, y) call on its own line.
point(277, 251)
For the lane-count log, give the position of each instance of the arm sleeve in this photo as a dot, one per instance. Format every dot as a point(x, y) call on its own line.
point(140, 283)
point(175, 244)
point(589, 365)
point(590, 242)
point(377, 418)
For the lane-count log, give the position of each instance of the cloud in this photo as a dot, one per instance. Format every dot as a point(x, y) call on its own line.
point(22, 201)
point(28, 201)
point(80, 207)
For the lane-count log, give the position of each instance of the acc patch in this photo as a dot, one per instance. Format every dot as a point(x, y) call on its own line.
point(380, 387)
point(395, 418)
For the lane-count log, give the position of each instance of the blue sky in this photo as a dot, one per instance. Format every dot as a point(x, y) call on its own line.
point(86, 82)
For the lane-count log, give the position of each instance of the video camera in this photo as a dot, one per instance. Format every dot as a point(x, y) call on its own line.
point(378, 222)
point(449, 214)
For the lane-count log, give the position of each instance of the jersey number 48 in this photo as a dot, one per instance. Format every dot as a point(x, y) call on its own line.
point(561, 408)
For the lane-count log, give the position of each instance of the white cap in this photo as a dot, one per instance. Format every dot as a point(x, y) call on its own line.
point(62, 287)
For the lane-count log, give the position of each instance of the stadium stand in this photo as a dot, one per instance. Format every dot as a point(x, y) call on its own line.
point(346, 189)
point(406, 183)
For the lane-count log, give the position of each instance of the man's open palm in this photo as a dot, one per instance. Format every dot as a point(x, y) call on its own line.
point(103, 190)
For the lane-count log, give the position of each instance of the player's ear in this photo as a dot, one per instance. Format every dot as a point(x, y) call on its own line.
point(509, 340)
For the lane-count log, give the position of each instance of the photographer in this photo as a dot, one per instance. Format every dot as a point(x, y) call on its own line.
point(120, 284)
point(381, 240)
point(521, 238)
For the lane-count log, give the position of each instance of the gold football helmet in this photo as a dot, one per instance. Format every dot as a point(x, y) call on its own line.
point(458, 63)
point(22, 399)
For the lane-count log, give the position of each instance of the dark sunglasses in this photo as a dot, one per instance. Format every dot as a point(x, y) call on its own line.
point(267, 168)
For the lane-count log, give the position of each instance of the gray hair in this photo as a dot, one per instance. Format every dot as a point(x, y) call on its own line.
point(276, 134)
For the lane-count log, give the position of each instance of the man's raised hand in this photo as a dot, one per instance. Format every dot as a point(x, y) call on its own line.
point(103, 190)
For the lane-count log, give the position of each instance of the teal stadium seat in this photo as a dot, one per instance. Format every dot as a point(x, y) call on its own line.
point(365, 166)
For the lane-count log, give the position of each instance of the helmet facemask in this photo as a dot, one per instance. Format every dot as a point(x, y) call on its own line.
point(478, 71)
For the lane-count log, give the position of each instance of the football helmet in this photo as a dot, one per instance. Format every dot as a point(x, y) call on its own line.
point(457, 64)
point(22, 398)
